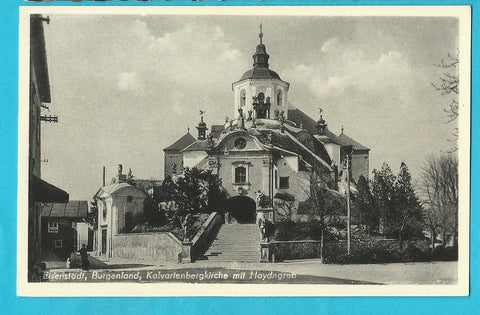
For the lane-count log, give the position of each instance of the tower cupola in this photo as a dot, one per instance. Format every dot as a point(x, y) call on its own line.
point(202, 129)
point(260, 58)
point(321, 126)
point(260, 90)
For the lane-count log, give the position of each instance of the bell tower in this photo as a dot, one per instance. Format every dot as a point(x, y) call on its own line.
point(202, 129)
point(260, 90)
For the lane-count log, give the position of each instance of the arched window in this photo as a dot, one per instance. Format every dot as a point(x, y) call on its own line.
point(242, 98)
point(279, 98)
point(240, 175)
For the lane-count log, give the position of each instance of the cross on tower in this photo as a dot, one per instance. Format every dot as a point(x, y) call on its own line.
point(261, 34)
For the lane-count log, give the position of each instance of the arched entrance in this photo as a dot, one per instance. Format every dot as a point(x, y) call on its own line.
point(242, 209)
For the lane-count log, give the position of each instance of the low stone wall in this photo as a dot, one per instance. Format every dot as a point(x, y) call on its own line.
point(205, 235)
point(161, 246)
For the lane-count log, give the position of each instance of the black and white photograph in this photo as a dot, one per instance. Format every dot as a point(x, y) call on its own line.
point(244, 151)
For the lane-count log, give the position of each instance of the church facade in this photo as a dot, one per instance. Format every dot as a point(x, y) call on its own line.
point(269, 148)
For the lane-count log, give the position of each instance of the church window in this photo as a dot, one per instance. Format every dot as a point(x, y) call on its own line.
point(174, 168)
point(279, 98)
point(58, 243)
point(240, 175)
point(242, 98)
point(284, 182)
point(240, 143)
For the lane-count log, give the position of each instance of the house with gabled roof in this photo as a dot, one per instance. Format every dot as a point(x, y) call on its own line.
point(59, 226)
point(173, 162)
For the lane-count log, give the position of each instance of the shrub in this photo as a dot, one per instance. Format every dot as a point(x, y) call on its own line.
point(295, 231)
point(378, 251)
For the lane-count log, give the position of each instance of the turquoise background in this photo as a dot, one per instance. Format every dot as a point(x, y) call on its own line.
point(11, 304)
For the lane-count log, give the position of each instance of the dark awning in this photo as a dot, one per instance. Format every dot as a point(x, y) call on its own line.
point(41, 191)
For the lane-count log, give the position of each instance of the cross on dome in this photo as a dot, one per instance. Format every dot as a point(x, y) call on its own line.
point(261, 34)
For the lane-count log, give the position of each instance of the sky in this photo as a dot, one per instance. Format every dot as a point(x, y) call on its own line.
point(127, 86)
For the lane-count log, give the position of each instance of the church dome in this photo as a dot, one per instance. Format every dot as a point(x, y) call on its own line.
point(260, 73)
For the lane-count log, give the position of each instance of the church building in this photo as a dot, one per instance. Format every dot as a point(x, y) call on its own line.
point(268, 148)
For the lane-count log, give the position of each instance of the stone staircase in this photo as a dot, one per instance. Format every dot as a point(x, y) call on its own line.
point(236, 242)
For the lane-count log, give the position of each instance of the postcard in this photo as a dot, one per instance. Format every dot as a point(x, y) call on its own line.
point(244, 151)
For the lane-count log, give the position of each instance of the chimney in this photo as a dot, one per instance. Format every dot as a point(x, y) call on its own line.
point(121, 178)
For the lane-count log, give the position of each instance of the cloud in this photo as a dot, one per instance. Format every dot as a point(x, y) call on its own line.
point(186, 56)
point(343, 67)
point(390, 56)
point(129, 81)
point(329, 45)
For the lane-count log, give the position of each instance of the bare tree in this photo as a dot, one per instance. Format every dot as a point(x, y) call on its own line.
point(449, 85)
point(325, 202)
point(440, 189)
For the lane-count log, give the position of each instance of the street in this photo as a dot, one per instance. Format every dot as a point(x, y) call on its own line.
point(306, 271)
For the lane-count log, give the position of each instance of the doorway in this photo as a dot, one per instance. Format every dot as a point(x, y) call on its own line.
point(242, 209)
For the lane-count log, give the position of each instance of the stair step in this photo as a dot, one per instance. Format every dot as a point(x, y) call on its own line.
point(235, 242)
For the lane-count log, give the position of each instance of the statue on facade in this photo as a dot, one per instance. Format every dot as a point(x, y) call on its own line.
point(241, 120)
point(276, 114)
point(210, 141)
point(270, 138)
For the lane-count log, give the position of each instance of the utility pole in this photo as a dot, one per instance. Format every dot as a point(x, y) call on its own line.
point(348, 206)
point(103, 177)
point(349, 156)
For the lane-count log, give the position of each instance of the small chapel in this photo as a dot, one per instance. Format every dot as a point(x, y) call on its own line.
point(267, 148)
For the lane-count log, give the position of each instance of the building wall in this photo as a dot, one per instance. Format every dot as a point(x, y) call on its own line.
point(82, 234)
point(112, 211)
point(257, 173)
point(360, 165)
point(298, 180)
point(122, 206)
point(172, 157)
point(334, 152)
point(105, 220)
point(65, 233)
point(155, 246)
point(34, 132)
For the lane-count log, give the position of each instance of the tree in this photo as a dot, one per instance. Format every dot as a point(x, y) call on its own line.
point(365, 206)
point(440, 190)
point(383, 189)
point(284, 204)
point(130, 178)
point(92, 215)
point(325, 202)
point(449, 85)
point(406, 221)
point(194, 192)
